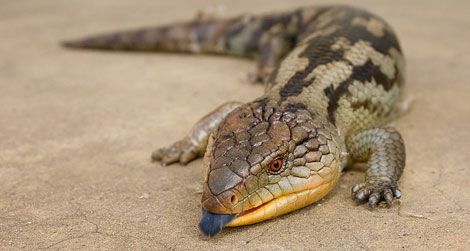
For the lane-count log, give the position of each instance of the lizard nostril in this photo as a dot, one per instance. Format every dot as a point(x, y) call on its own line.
point(233, 200)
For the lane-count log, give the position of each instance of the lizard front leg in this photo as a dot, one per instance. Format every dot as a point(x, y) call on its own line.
point(194, 144)
point(384, 151)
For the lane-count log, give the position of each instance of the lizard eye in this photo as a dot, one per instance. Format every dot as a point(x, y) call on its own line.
point(276, 165)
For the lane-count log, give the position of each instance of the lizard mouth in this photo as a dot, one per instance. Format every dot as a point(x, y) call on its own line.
point(212, 223)
point(280, 206)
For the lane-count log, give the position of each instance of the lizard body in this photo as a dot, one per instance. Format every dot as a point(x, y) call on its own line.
point(333, 77)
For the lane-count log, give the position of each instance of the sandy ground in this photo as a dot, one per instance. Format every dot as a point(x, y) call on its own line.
point(77, 129)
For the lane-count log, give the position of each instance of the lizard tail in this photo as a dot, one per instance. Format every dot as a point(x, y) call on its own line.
point(245, 36)
point(198, 36)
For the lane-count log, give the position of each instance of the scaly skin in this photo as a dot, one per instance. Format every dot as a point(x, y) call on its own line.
point(333, 76)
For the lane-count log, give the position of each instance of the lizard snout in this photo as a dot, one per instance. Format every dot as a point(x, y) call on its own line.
point(224, 203)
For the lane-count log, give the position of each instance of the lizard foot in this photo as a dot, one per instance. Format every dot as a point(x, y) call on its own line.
point(259, 77)
point(183, 151)
point(376, 189)
point(255, 78)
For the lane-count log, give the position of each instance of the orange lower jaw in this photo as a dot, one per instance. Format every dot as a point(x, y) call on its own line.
point(282, 205)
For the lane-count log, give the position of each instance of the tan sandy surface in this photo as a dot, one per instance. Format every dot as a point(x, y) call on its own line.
point(77, 129)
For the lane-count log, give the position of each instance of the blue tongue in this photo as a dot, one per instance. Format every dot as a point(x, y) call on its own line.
point(211, 224)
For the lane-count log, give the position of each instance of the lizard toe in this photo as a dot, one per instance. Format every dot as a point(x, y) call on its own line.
point(182, 151)
point(376, 190)
point(360, 192)
point(374, 198)
point(388, 196)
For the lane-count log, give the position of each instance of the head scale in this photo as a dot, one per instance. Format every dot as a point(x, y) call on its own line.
point(261, 156)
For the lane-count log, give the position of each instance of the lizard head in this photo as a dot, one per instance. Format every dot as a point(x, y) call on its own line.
point(265, 162)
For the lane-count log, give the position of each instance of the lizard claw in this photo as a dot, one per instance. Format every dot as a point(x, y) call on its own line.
point(182, 151)
point(375, 190)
